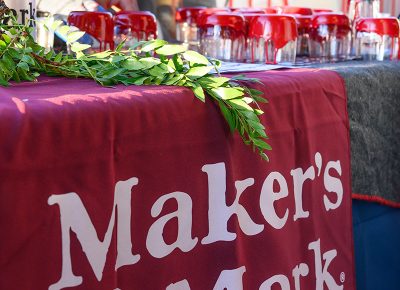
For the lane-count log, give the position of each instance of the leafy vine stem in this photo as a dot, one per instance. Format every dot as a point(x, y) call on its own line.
point(153, 62)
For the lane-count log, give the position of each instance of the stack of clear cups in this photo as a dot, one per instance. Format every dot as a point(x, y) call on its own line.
point(377, 38)
point(304, 31)
point(98, 25)
point(330, 38)
point(363, 8)
point(222, 36)
point(248, 17)
point(273, 39)
point(186, 26)
point(134, 26)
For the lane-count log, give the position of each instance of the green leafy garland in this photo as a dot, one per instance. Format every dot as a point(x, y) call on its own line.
point(22, 59)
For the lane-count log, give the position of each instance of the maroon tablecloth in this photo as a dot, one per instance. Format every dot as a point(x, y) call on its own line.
point(145, 188)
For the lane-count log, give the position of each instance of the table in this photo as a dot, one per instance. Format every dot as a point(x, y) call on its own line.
point(373, 90)
point(145, 188)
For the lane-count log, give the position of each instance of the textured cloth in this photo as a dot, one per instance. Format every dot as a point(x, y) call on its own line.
point(97, 176)
point(373, 90)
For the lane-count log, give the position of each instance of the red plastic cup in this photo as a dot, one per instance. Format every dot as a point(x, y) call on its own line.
point(378, 38)
point(249, 10)
point(99, 25)
point(210, 11)
point(186, 25)
point(271, 10)
point(273, 39)
point(330, 38)
point(134, 26)
point(222, 36)
point(318, 10)
point(297, 10)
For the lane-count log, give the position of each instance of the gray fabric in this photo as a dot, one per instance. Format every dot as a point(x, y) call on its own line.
point(373, 90)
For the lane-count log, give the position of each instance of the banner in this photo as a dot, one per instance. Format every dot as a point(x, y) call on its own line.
point(146, 188)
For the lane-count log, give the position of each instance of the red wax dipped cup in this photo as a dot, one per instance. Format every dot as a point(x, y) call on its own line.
point(99, 25)
point(297, 10)
point(273, 39)
point(271, 10)
point(249, 10)
point(320, 10)
point(377, 38)
point(330, 38)
point(186, 25)
point(304, 31)
point(210, 11)
point(222, 36)
point(248, 17)
point(134, 26)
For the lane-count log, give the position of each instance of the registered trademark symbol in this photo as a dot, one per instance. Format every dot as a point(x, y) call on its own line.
point(342, 277)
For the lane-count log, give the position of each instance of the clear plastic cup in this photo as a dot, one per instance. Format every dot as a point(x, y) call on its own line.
point(98, 25)
point(186, 26)
point(222, 36)
point(377, 38)
point(304, 31)
point(330, 38)
point(273, 39)
point(134, 26)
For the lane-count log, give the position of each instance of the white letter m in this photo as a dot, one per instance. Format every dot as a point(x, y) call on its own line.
point(74, 217)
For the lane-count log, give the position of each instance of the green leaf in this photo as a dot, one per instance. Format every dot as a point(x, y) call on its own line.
point(55, 24)
point(178, 63)
point(120, 45)
point(3, 82)
point(14, 53)
point(228, 116)
point(3, 44)
point(139, 81)
point(157, 71)
point(117, 58)
point(213, 82)
point(261, 144)
point(49, 55)
point(109, 74)
point(198, 72)
point(174, 80)
point(199, 93)
point(58, 57)
point(240, 104)
point(244, 78)
point(74, 36)
point(63, 30)
point(149, 62)
point(171, 49)
point(258, 112)
point(102, 55)
point(228, 93)
point(152, 45)
point(9, 61)
point(6, 38)
point(195, 57)
point(23, 65)
point(77, 47)
point(133, 64)
point(28, 59)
